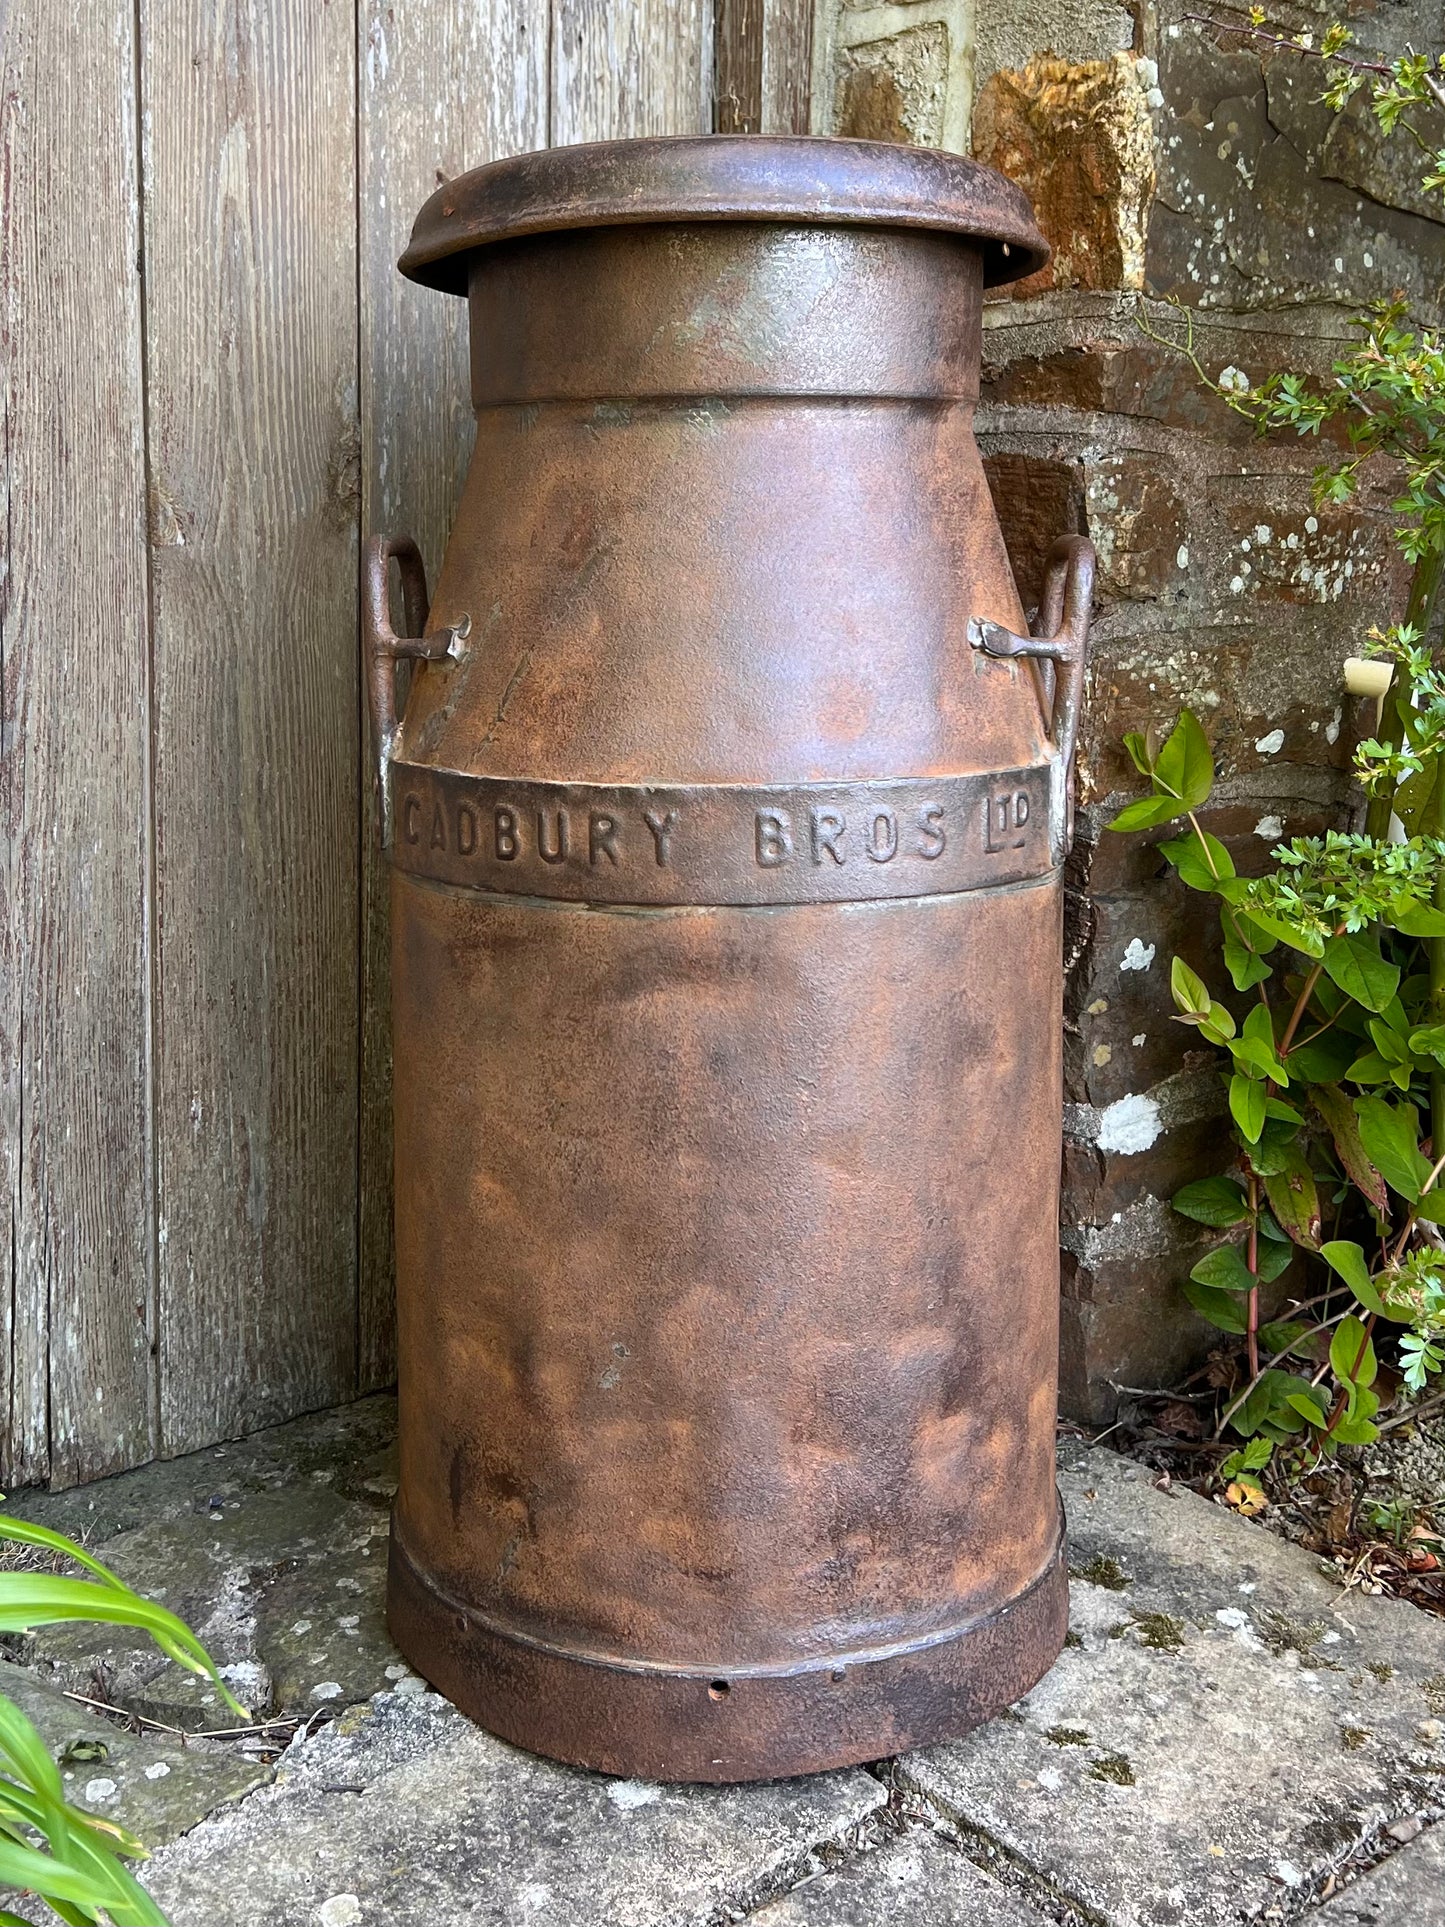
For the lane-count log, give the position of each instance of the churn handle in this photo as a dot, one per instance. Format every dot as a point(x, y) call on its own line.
point(1061, 639)
point(382, 648)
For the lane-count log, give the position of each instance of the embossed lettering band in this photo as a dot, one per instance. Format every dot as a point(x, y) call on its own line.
point(719, 843)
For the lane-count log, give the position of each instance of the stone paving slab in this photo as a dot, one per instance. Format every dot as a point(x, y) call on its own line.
point(274, 1549)
point(918, 1881)
point(154, 1786)
point(1408, 1890)
point(404, 1813)
point(1222, 1730)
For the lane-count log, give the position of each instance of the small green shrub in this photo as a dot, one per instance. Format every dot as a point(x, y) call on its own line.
point(1332, 1047)
point(73, 1860)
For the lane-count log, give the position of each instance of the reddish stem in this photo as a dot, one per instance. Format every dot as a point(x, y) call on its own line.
point(1252, 1260)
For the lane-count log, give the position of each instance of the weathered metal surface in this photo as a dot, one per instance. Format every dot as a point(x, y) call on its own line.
point(726, 976)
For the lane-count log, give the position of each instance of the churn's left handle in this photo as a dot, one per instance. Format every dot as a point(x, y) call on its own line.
point(1061, 641)
point(382, 648)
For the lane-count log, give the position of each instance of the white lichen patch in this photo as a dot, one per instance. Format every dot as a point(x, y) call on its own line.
point(342, 1910)
point(1138, 955)
point(329, 1689)
point(629, 1794)
point(1271, 828)
point(1129, 1125)
point(1272, 744)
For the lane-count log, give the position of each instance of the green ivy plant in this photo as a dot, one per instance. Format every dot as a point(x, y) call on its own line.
point(1332, 1047)
point(73, 1860)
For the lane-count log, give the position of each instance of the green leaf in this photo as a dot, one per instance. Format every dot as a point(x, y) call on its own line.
point(1137, 746)
point(1246, 1106)
point(1348, 1261)
point(1344, 1129)
point(1267, 1402)
point(1185, 765)
point(1320, 1058)
point(1222, 1308)
point(1297, 935)
point(1412, 796)
point(1145, 813)
point(1216, 1201)
point(1189, 990)
point(1353, 1430)
point(1309, 1407)
point(1200, 860)
point(1352, 1356)
point(1224, 1269)
point(1370, 1068)
point(1251, 1055)
point(1429, 1041)
point(1295, 1199)
point(1355, 964)
point(33, 1599)
point(1259, 1025)
point(1390, 1135)
point(1273, 1259)
point(1218, 1026)
point(1246, 967)
point(1283, 1334)
point(1414, 919)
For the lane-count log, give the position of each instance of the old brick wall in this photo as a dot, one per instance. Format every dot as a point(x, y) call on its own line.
point(1170, 163)
point(1194, 168)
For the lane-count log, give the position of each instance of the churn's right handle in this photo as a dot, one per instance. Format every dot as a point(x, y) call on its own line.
point(1062, 641)
point(382, 648)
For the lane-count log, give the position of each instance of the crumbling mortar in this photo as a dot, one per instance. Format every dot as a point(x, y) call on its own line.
point(1002, 1862)
point(863, 1837)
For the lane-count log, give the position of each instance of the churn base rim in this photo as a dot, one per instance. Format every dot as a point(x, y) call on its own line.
point(663, 1723)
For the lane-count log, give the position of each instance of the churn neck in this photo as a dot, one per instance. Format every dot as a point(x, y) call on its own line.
point(793, 180)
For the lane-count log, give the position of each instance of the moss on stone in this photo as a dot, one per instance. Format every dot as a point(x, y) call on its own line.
point(1067, 1736)
point(1161, 1632)
point(1103, 1571)
point(1382, 1669)
point(1352, 1738)
point(1113, 1767)
point(1072, 1639)
point(1285, 1635)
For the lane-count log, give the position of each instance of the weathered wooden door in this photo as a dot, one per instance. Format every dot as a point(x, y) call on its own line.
point(213, 382)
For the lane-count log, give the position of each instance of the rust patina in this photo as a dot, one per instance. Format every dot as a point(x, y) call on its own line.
point(726, 815)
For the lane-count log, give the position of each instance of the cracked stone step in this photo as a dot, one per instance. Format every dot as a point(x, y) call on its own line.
point(1408, 1890)
point(918, 1881)
point(152, 1785)
point(1222, 1730)
point(274, 1549)
point(404, 1813)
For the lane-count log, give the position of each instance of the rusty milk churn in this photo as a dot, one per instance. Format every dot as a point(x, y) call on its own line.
point(725, 813)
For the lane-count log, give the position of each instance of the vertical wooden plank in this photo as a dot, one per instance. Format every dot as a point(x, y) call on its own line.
point(444, 86)
point(762, 66)
point(626, 67)
point(787, 66)
point(738, 67)
point(250, 262)
point(75, 1215)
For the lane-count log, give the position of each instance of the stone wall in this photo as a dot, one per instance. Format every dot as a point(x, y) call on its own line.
point(1173, 164)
